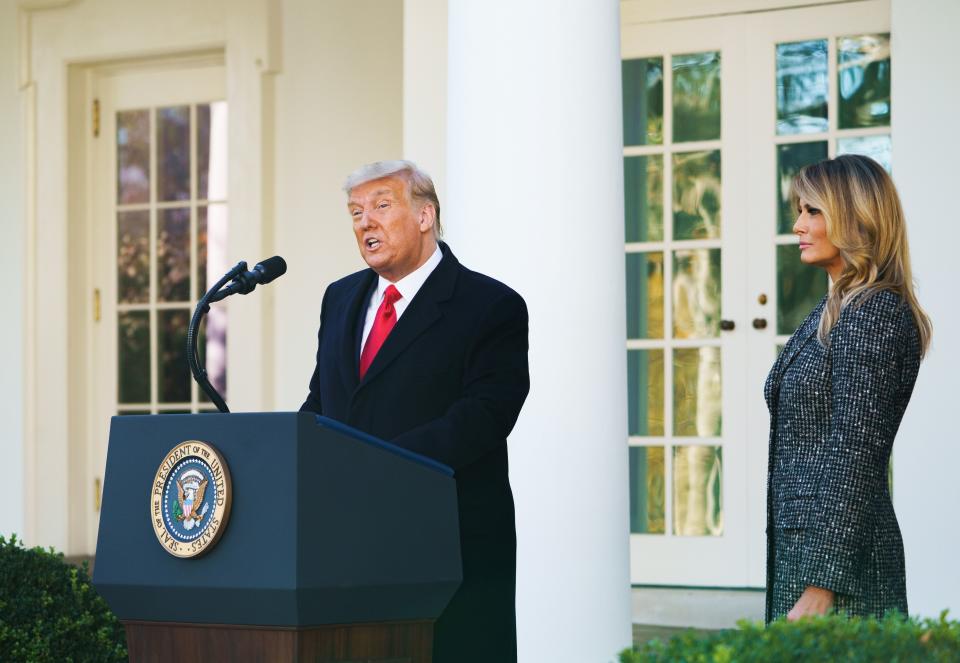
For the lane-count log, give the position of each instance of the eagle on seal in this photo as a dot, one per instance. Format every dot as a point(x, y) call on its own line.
point(190, 493)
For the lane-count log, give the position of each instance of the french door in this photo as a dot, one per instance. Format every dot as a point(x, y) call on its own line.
point(160, 211)
point(719, 114)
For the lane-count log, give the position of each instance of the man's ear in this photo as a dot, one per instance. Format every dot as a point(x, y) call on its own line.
point(427, 217)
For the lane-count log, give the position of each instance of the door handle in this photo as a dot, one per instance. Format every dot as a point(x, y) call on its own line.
point(727, 325)
point(759, 323)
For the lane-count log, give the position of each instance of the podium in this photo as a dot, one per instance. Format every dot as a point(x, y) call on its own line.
point(337, 547)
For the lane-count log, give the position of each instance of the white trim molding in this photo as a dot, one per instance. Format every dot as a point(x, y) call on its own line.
point(660, 11)
point(58, 37)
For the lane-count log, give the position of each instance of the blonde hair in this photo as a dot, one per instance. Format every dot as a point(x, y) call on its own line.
point(419, 185)
point(864, 220)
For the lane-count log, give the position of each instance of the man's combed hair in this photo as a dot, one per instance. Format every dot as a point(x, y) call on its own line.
point(865, 221)
point(419, 183)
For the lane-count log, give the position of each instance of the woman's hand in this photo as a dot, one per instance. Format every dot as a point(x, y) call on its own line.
point(813, 601)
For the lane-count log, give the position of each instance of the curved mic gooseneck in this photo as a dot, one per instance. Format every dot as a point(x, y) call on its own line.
point(244, 282)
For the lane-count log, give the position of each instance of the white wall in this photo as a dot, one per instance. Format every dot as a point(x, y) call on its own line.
point(316, 90)
point(425, 89)
point(339, 103)
point(12, 247)
point(926, 144)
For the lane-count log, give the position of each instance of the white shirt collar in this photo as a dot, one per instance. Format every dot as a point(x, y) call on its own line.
point(410, 284)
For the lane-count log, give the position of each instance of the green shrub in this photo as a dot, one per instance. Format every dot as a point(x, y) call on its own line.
point(50, 612)
point(834, 638)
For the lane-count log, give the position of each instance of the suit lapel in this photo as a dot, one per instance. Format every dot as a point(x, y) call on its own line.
point(796, 343)
point(353, 329)
point(421, 313)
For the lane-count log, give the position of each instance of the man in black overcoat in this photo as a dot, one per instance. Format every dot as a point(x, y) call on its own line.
point(425, 353)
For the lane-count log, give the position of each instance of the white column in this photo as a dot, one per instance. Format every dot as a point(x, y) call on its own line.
point(926, 455)
point(12, 250)
point(535, 199)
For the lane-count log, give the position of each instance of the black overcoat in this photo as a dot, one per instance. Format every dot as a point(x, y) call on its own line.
point(448, 383)
point(834, 412)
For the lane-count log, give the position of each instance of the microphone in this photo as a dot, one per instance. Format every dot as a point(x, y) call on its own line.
point(264, 272)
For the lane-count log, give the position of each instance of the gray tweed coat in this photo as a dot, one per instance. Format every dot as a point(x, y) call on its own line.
point(834, 412)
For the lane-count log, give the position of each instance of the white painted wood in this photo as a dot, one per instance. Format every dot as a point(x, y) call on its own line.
point(149, 85)
point(535, 186)
point(654, 11)
point(61, 40)
point(747, 42)
point(708, 560)
point(13, 332)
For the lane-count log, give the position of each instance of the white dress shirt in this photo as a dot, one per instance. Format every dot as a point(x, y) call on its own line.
point(408, 287)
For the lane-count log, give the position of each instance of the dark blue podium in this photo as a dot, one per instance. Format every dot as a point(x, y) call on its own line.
point(338, 547)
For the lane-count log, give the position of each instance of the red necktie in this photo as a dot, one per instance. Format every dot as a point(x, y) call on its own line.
point(382, 324)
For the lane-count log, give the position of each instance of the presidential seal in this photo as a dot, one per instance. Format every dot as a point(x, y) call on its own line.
point(190, 499)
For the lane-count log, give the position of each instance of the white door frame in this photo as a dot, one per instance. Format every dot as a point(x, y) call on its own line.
point(149, 84)
point(706, 560)
point(763, 32)
point(748, 117)
point(57, 45)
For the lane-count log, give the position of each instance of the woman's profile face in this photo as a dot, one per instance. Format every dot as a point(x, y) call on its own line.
point(815, 248)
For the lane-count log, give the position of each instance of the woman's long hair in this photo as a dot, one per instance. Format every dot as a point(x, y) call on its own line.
point(864, 220)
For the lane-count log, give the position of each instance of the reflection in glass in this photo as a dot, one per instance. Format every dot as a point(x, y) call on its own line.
point(878, 148)
point(696, 293)
point(696, 96)
point(864, 77)
point(133, 356)
point(802, 87)
point(133, 257)
point(645, 295)
point(696, 195)
point(643, 101)
point(643, 203)
point(647, 490)
point(212, 151)
point(173, 255)
point(211, 265)
point(212, 225)
point(698, 491)
point(133, 157)
point(697, 392)
point(173, 153)
point(799, 288)
point(212, 351)
point(127, 413)
point(645, 392)
point(790, 159)
point(173, 377)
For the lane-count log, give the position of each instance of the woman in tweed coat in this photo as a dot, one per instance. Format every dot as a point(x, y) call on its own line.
point(836, 395)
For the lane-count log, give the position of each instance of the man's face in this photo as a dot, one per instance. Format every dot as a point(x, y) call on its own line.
point(395, 235)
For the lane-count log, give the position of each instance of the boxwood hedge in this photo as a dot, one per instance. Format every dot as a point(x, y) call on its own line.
point(892, 639)
point(50, 612)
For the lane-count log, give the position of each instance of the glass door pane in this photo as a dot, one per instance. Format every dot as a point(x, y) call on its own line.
point(171, 232)
point(673, 239)
point(852, 117)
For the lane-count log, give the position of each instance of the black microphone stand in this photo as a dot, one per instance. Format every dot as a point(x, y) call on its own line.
point(203, 307)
